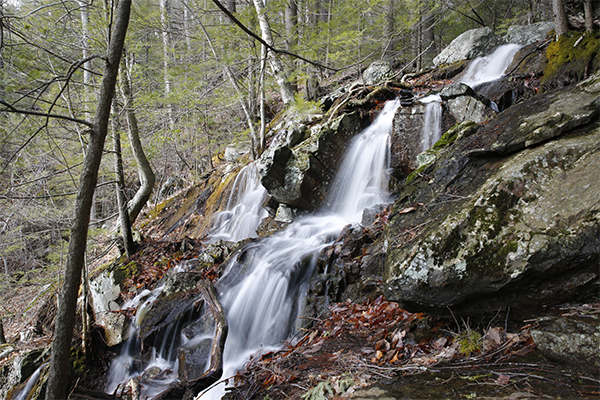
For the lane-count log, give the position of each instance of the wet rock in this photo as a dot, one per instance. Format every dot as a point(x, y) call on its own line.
point(528, 61)
point(299, 176)
point(470, 45)
point(377, 72)
point(406, 139)
point(528, 34)
point(572, 340)
point(468, 108)
point(284, 214)
point(370, 215)
point(518, 227)
point(193, 358)
point(178, 302)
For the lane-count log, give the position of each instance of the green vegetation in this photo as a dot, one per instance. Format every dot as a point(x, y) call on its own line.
point(572, 55)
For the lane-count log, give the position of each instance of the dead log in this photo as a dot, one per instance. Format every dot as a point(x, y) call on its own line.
point(189, 389)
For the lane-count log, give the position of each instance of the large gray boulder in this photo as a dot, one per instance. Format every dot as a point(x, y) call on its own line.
point(506, 215)
point(469, 45)
point(528, 34)
point(377, 72)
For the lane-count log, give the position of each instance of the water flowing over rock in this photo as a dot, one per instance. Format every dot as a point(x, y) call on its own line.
point(490, 67)
point(468, 46)
point(245, 210)
point(300, 175)
point(509, 212)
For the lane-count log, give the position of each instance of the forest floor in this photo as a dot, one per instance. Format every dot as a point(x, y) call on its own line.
point(371, 350)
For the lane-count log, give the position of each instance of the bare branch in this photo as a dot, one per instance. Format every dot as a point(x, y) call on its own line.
point(259, 39)
point(11, 109)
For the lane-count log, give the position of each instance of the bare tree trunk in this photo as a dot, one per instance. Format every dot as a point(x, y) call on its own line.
point(147, 177)
point(59, 361)
point(124, 221)
point(287, 94)
point(2, 337)
point(560, 17)
point(166, 39)
point(291, 24)
point(263, 62)
point(588, 9)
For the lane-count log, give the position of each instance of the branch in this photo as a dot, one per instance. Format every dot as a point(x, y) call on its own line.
point(11, 109)
point(259, 39)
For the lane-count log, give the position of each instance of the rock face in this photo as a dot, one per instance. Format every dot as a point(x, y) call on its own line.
point(105, 286)
point(298, 172)
point(528, 34)
point(377, 72)
point(508, 214)
point(470, 45)
point(569, 339)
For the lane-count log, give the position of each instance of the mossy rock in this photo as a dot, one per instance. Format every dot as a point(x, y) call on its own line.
point(572, 57)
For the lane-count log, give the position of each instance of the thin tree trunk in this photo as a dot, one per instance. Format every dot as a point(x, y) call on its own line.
point(588, 9)
point(287, 94)
point(147, 176)
point(263, 62)
point(124, 221)
point(2, 337)
point(166, 39)
point(560, 17)
point(291, 24)
point(59, 366)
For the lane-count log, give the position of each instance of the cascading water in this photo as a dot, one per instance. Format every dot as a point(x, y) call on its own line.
point(264, 285)
point(432, 125)
point(244, 208)
point(491, 67)
point(263, 304)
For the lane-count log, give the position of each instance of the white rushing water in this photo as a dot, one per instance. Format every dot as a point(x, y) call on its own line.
point(491, 67)
point(244, 208)
point(432, 124)
point(264, 304)
point(263, 288)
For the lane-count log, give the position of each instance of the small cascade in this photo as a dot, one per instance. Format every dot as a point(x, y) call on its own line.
point(264, 285)
point(264, 293)
point(32, 381)
point(432, 125)
point(244, 208)
point(491, 67)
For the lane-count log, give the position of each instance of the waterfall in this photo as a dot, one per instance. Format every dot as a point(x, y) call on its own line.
point(244, 208)
point(263, 287)
point(432, 125)
point(491, 67)
point(264, 295)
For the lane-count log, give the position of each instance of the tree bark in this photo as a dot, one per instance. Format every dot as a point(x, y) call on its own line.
point(287, 94)
point(147, 177)
point(291, 24)
point(124, 221)
point(588, 9)
point(2, 337)
point(166, 39)
point(560, 17)
point(59, 361)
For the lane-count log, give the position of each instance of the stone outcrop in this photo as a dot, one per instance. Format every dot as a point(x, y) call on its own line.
point(299, 172)
point(507, 214)
point(377, 72)
point(468, 46)
point(528, 34)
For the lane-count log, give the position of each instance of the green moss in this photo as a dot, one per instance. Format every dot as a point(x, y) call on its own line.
point(469, 341)
point(564, 58)
point(124, 271)
point(78, 362)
